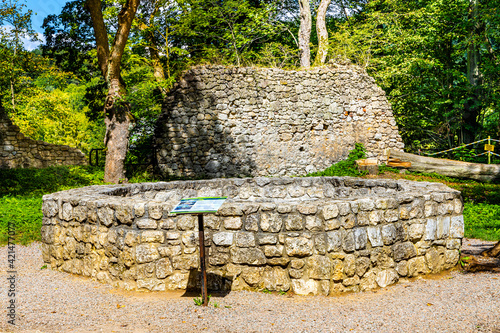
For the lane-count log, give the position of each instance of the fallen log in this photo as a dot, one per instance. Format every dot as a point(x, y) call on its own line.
point(488, 260)
point(450, 168)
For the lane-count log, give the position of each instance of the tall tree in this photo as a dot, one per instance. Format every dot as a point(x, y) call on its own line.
point(322, 33)
point(305, 33)
point(15, 24)
point(118, 118)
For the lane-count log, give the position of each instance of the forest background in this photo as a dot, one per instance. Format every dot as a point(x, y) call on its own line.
point(437, 60)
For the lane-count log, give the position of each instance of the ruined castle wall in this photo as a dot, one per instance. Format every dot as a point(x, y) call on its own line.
point(19, 151)
point(223, 122)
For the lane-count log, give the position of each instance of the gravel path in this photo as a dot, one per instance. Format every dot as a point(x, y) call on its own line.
point(50, 301)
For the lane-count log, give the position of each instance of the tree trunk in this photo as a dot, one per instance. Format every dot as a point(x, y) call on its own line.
point(472, 107)
point(118, 118)
point(450, 168)
point(493, 252)
point(305, 33)
point(322, 33)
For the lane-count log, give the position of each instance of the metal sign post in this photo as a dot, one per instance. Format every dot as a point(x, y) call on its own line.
point(198, 206)
point(201, 231)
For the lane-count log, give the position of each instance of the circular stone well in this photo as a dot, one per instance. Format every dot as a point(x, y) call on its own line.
point(309, 235)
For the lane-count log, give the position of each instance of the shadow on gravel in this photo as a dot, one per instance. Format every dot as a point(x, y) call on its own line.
point(217, 285)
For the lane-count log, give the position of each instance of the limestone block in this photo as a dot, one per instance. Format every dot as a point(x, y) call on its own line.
point(49, 208)
point(152, 236)
point(442, 227)
point(146, 252)
point(233, 223)
point(303, 287)
point(245, 239)
point(430, 229)
point(348, 221)
point(124, 213)
point(452, 257)
point(190, 239)
point(318, 267)
point(375, 236)
point(139, 209)
point(146, 223)
point(106, 216)
point(252, 275)
point(186, 222)
point(170, 251)
point(163, 268)
point(270, 222)
point(248, 256)
point(350, 265)
point(294, 222)
point(457, 226)
point(186, 262)
point(360, 238)
point(177, 281)
point(435, 258)
point(330, 211)
point(307, 209)
point(223, 238)
point(252, 222)
point(298, 246)
point(344, 208)
point(387, 277)
point(362, 265)
point(155, 210)
point(266, 239)
point(365, 204)
point(67, 211)
point(314, 223)
point(417, 266)
point(276, 278)
point(348, 241)
point(416, 231)
point(404, 251)
point(388, 234)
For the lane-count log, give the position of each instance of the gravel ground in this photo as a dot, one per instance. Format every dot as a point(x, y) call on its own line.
point(49, 301)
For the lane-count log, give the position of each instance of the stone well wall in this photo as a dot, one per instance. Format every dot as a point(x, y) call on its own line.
point(226, 122)
point(308, 235)
point(18, 151)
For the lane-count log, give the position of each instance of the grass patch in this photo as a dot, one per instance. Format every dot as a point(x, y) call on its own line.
point(21, 192)
point(347, 167)
point(482, 221)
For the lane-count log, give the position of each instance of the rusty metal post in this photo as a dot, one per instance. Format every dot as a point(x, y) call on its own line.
point(203, 267)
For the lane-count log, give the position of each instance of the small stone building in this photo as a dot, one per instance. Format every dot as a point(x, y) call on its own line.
point(225, 122)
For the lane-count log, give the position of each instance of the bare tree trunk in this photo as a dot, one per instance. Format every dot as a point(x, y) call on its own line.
point(473, 106)
point(305, 33)
point(118, 118)
point(322, 33)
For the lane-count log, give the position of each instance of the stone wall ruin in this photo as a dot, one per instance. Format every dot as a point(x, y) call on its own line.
point(226, 122)
point(309, 235)
point(19, 151)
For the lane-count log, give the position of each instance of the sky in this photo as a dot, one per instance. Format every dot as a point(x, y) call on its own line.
point(41, 8)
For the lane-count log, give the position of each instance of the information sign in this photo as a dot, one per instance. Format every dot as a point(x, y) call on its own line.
point(489, 147)
point(199, 205)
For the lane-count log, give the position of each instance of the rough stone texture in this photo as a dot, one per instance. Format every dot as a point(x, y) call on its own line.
point(19, 151)
point(125, 235)
point(226, 122)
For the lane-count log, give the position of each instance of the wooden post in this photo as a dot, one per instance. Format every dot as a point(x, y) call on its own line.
point(489, 152)
point(201, 231)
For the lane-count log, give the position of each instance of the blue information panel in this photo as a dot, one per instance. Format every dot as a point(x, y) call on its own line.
point(198, 205)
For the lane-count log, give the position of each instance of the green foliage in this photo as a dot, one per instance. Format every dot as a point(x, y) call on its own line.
point(198, 301)
point(347, 167)
point(482, 221)
point(29, 182)
point(384, 168)
point(25, 213)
